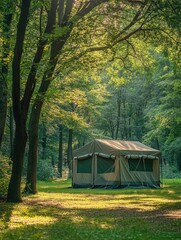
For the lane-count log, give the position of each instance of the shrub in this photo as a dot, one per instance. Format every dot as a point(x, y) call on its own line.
point(170, 171)
point(45, 170)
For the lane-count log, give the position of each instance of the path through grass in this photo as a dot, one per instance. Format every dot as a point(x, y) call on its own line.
point(61, 213)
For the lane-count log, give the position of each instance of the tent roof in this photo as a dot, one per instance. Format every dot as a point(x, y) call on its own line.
point(115, 147)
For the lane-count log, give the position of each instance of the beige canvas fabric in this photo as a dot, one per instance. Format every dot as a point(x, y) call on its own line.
point(121, 151)
point(115, 147)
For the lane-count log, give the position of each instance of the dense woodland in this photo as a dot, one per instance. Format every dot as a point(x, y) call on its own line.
point(71, 71)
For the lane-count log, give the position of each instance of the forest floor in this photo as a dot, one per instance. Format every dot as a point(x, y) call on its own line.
point(59, 212)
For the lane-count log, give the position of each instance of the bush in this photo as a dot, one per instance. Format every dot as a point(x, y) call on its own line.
point(5, 173)
point(45, 170)
point(170, 171)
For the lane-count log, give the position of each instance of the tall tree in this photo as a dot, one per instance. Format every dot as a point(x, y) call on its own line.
point(19, 110)
point(21, 104)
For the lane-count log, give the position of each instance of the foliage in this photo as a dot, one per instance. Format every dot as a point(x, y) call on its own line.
point(171, 12)
point(45, 169)
point(162, 112)
point(60, 212)
point(170, 171)
point(5, 170)
point(172, 155)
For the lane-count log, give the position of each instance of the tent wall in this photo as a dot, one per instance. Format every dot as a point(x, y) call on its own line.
point(82, 179)
point(139, 178)
point(107, 178)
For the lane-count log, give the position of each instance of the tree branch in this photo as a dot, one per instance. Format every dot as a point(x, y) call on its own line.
point(31, 81)
point(133, 22)
point(68, 9)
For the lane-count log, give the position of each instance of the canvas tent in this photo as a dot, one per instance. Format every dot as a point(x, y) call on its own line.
point(116, 163)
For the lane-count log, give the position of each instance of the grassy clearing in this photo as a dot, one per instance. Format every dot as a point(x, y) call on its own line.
point(59, 212)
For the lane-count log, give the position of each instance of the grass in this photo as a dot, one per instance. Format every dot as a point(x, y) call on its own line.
point(60, 212)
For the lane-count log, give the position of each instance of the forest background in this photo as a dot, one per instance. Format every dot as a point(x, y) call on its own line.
point(71, 71)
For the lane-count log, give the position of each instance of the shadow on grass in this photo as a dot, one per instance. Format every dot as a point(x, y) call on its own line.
point(62, 213)
point(166, 192)
point(75, 223)
point(5, 214)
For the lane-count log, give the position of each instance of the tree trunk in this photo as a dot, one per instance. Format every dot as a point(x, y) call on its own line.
point(31, 178)
point(20, 113)
point(35, 116)
point(60, 152)
point(3, 106)
point(53, 162)
point(11, 130)
point(36, 109)
point(69, 151)
point(14, 189)
point(179, 162)
point(118, 114)
point(125, 120)
point(44, 142)
point(129, 128)
point(111, 128)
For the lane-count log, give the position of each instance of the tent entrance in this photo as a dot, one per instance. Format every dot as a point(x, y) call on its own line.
point(105, 170)
point(95, 170)
point(105, 165)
